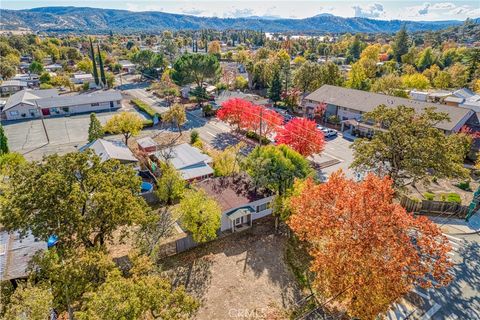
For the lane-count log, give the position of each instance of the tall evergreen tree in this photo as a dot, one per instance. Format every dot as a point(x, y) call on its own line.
point(94, 64)
point(275, 89)
point(102, 69)
point(3, 141)
point(400, 45)
point(95, 130)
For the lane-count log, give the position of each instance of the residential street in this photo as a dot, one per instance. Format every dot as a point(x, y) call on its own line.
point(458, 300)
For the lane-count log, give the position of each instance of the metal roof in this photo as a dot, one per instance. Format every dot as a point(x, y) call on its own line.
point(16, 253)
point(367, 101)
point(109, 149)
point(183, 156)
point(16, 83)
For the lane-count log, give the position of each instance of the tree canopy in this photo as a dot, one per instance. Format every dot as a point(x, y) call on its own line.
point(367, 250)
point(95, 129)
point(196, 68)
point(76, 197)
point(302, 135)
point(276, 167)
point(200, 215)
point(411, 148)
point(126, 123)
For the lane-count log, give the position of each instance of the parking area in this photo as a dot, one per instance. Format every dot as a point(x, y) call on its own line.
point(60, 135)
point(337, 151)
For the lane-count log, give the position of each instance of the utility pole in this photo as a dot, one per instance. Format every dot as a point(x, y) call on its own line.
point(261, 120)
point(43, 122)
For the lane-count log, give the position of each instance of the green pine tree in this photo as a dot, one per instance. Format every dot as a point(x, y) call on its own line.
point(102, 69)
point(401, 44)
point(275, 89)
point(3, 142)
point(94, 64)
point(95, 130)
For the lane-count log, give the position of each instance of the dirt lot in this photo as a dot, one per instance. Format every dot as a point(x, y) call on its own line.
point(242, 276)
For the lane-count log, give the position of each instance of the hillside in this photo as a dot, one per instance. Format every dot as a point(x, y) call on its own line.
point(65, 19)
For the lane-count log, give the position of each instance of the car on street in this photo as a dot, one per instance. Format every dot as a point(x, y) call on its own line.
point(327, 132)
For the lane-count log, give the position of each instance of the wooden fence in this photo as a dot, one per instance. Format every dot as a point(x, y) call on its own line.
point(427, 207)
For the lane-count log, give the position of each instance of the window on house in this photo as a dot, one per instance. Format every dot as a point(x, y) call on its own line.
point(95, 104)
point(66, 109)
point(262, 207)
point(33, 112)
point(54, 110)
point(14, 113)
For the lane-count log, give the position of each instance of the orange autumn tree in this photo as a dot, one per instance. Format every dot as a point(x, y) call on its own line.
point(367, 250)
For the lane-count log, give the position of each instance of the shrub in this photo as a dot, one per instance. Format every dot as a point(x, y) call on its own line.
point(194, 136)
point(429, 196)
point(451, 197)
point(45, 86)
point(198, 144)
point(145, 107)
point(147, 123)
point(465, 185)
point(256, 137)
point(333, 119)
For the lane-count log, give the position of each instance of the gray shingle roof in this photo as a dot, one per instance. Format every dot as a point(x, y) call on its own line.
point(367, 101)
point(86, 98)
point(29, 97)
point(50, 98)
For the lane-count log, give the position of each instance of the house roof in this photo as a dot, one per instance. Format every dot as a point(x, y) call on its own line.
point(82, 76)
point(464, 93)
point(16, 253)
point(85, 98)
point(367, 101)
point(29, 97)
point(227, 95)
point(109, 149)
point(183, 156)
point(146, 142)
point(233, 192)
point(16, 83)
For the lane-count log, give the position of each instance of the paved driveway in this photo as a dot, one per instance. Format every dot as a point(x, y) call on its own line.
point(64, 134)
point(336, 148)
point(240, 276)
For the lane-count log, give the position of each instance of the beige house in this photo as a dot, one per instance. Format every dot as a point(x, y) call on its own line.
point(12, 86)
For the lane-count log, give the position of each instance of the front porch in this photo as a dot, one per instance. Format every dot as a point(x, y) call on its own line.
point(240, 219)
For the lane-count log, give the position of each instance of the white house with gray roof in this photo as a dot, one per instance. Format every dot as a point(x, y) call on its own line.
point(28, 104)
point(350, 104)
point(189, 161)
point(110, 149)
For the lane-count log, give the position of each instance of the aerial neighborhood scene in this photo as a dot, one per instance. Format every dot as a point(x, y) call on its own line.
point(239, 160)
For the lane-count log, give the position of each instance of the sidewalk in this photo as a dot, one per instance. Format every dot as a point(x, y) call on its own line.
point(458, 226)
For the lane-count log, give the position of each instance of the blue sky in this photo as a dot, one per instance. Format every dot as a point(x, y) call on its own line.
point(408, 10)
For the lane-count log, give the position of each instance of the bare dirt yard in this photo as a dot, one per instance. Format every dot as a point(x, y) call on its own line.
point(241, 276)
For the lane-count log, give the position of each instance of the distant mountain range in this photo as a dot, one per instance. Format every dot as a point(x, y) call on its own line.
point(77, 19)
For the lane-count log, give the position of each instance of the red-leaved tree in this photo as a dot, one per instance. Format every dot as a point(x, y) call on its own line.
point(367, 250)
point(233, 111)
point(302, 135)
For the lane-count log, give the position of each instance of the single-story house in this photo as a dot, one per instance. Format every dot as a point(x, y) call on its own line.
point(253, 98)
point(80, 78)
point(53, 67)
point(32, 79)
point(469, 99)
point(127, 66)
point(189, 161)
point(109, 149)
point(12, 86)
point(16, 253)
point(27, 104)
point(239, 202)
point(349, 104)
point(147, 144)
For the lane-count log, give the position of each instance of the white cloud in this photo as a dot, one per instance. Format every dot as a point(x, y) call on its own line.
point(443, 6)
point(369, 11)
point(192, 11)
point(424, 9)
point(239, 13)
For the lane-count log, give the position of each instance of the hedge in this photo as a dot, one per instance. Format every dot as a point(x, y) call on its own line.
point(145, 107)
